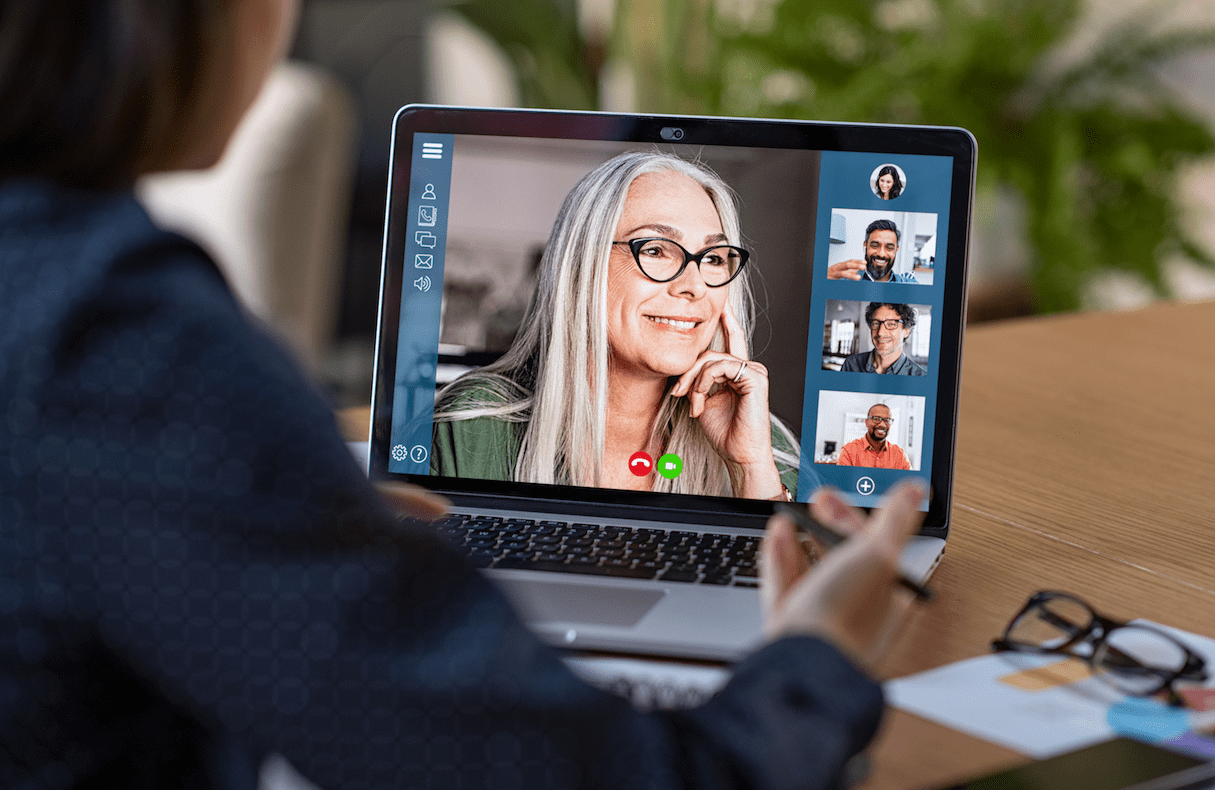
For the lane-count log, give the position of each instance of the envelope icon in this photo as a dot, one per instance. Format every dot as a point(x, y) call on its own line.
point(424, 260)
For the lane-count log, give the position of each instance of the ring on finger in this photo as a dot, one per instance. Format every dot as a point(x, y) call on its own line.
point(741, 368)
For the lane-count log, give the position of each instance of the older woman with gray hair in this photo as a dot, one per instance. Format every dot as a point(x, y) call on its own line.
point(637, 340)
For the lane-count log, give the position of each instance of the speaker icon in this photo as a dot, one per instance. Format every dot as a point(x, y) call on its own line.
point(422, 283)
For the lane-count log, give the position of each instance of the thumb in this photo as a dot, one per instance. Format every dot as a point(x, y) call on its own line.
point(782, 565)
point(413, 501)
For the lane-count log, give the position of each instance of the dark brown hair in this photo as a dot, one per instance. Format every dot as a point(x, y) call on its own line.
point(906, 312)
point(94, 91)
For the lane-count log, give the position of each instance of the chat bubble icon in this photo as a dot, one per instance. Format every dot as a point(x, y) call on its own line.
point(426, 239)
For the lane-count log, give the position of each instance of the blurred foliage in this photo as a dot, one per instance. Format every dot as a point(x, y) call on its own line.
point(1092, 142)
point(554, 65)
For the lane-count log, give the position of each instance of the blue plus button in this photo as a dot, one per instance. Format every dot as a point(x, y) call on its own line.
point(865, 486)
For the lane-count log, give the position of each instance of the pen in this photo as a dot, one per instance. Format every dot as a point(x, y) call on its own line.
point(830, 538)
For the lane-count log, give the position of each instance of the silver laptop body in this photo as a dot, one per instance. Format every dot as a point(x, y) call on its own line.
point(472, 200)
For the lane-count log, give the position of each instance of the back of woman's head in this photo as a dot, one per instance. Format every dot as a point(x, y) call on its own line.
point(94, 91)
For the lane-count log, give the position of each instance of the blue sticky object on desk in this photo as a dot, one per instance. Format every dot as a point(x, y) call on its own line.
point(1147, 719)
point(1193, 743)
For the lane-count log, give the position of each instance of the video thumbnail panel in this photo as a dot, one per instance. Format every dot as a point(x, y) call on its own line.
point(870, 430)
point(882, 246)
point(889, 338)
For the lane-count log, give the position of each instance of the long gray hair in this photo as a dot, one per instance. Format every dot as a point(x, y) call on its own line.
point(554, 376)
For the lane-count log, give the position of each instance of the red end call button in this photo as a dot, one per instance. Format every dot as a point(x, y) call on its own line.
point(640, 463)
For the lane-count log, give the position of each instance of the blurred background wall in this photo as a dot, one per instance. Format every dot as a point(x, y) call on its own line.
point(1094, 117)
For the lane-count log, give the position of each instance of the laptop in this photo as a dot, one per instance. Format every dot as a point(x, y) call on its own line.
point(615, 341)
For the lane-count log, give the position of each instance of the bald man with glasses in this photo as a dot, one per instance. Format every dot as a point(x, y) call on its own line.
point(873, 450)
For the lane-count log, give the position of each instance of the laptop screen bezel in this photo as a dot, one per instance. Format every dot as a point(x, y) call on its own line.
point(697, 130)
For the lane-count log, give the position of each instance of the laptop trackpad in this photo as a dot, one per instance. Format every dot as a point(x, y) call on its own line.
point(541, 602)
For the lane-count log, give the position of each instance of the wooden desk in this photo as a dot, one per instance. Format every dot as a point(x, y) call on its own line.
point(1084, 464)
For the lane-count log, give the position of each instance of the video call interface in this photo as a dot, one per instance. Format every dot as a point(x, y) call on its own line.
point(845, 255)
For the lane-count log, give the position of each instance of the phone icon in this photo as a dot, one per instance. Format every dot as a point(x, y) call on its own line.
point(640, 463)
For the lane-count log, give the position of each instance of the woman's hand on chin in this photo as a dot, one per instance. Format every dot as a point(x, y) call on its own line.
point(735, 417)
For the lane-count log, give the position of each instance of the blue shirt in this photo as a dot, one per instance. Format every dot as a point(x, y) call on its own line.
point(895, 277)
point(195, 573)
point(863, 363)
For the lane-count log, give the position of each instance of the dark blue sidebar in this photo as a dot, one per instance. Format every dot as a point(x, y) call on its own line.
point(421, 302)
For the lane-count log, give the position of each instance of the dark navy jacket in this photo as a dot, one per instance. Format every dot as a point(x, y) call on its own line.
point(194, 572)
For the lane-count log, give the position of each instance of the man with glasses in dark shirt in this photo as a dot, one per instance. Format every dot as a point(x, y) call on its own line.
point(889, 326)
point(872, 450)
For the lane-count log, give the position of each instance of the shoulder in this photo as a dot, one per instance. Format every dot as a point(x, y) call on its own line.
point(474, 391)
point(856, 363)
point(472, 438)
point(64, 251)
point(853, 447)
point(907, 366)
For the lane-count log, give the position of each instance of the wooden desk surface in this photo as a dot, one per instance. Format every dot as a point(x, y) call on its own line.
point(1084, 464)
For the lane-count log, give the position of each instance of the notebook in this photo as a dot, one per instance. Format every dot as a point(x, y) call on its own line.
point(614, 341)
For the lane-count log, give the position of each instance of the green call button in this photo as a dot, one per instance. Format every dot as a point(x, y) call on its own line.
point(670, 465)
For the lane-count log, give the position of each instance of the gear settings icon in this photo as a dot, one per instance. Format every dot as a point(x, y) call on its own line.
point(400, 452)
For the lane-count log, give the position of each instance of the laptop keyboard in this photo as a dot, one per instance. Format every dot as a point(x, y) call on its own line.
point(626, 552)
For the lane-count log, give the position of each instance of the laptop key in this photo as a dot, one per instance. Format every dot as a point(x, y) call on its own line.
point(479, 559)
point(574, 567)
point(679, 576)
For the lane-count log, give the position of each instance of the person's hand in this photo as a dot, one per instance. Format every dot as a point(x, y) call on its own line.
point(735, 417)
point(849, 598)
point(846, 270)
point(413, 501)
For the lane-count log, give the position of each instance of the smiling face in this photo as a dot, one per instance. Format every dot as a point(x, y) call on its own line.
point(885, 182)
point(878, 423)
point(880, 249)
point(887, 342)
point(659, 329)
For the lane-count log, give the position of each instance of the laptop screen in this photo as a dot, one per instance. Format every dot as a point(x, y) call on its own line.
point(598, 308)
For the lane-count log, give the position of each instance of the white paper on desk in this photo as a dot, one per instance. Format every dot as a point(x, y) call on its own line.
point(968, 696)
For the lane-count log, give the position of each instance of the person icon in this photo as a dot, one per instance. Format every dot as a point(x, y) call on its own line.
point(888, 181)
point(428, 193)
